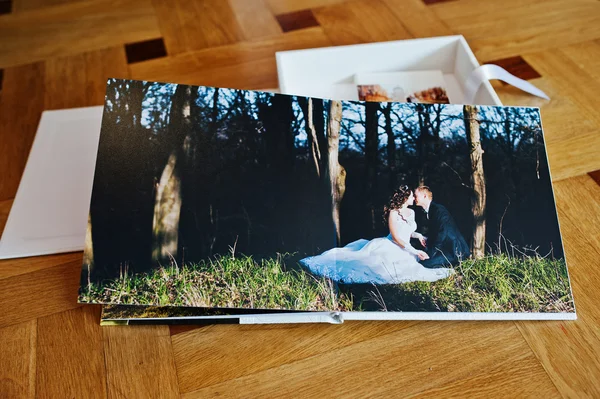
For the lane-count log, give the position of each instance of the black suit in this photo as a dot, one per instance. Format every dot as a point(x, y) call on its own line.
point(445, 244)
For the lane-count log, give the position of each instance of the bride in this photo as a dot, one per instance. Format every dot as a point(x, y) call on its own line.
point(384, 260)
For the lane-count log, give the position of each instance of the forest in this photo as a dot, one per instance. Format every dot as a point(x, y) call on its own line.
point(191, 175)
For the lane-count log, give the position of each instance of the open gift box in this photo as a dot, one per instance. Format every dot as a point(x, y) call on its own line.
point(327, 72)
point(50, 211)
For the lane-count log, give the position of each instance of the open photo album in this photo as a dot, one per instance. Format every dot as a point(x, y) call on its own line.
point(222, 205)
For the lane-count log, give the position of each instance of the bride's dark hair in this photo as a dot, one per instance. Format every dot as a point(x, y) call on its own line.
point(396, 201)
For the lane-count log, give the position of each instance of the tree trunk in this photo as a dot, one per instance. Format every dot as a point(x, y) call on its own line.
point(371, 158)
point(335, 173)
point(88, 255)
point(311, 132)
point(477, 180)
point(421, 140)
point(319, 122)
point(167, 206)
point(391, 146)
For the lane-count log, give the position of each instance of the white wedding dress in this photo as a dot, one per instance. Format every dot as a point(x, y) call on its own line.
point(379, 261)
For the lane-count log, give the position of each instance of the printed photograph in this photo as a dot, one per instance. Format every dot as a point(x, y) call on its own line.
point(426, 87)
point(219, 198)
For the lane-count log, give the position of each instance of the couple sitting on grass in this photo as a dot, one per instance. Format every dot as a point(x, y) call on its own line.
point(392, 259)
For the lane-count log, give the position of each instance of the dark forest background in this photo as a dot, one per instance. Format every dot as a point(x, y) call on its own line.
point(185, 173)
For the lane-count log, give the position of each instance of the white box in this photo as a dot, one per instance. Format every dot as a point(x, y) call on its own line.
point(322, 72)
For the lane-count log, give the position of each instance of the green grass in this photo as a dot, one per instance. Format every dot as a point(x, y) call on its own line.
point(496, 283)
point(227, 282)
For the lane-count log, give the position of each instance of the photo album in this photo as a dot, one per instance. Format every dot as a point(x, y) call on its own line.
point(218, 205)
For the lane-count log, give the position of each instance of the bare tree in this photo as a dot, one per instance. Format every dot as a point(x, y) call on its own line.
point(311, 132)
point(391, 145)
point(167, 206)
point(470, 113)
point(371, 156)
point(335, 173)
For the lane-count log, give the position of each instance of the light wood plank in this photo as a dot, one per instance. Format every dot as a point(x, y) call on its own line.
point(417, 18)
point(18, 360)
point(259, 348)
point(23, 266)
point(360, 21)
point(80, 80)
point(194, 25)
point(74, 28)
point(571, 81)
point(39, 293)
point(587, 57)
point(255, 18)
point(22, 95)
point(70, 361)
point(520, 27)
point(247, 65)
point(570, 351)
point(139, 362)
point(428, 359)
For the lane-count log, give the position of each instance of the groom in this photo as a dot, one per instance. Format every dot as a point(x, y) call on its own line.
point(445, 245)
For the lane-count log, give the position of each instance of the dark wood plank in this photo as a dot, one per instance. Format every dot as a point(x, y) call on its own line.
point(21, 104)
point(297, 20)
point(517, 66)
point(144, 51)
point(596, 176)
point(5, 6)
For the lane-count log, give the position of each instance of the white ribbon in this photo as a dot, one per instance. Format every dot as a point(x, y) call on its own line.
point(489, 72)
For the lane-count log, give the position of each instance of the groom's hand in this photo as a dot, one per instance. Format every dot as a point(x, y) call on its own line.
point(422, 255)
point(423, 241)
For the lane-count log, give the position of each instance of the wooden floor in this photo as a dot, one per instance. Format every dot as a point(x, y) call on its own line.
point(58, 53)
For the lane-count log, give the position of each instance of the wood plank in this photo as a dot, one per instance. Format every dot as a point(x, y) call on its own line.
point(70, 360)
point(442, 359)
point(194, 25)
point(21, 266)
point(258, 348)
point(27, 5)
point(139, 362)
point(596, 176)
point(360, 21)
point(80, 80)
point(4, 211)
point(18, 360)
point(570, 351)
point(255, 18)
point(286, 6)
point(569, 79)
point(587, 57)
point(39, 293)
point(297, 20)
point(247, 65)
point(520, 27)
point(417, 18)
point(22, 95)
point(74, 28)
